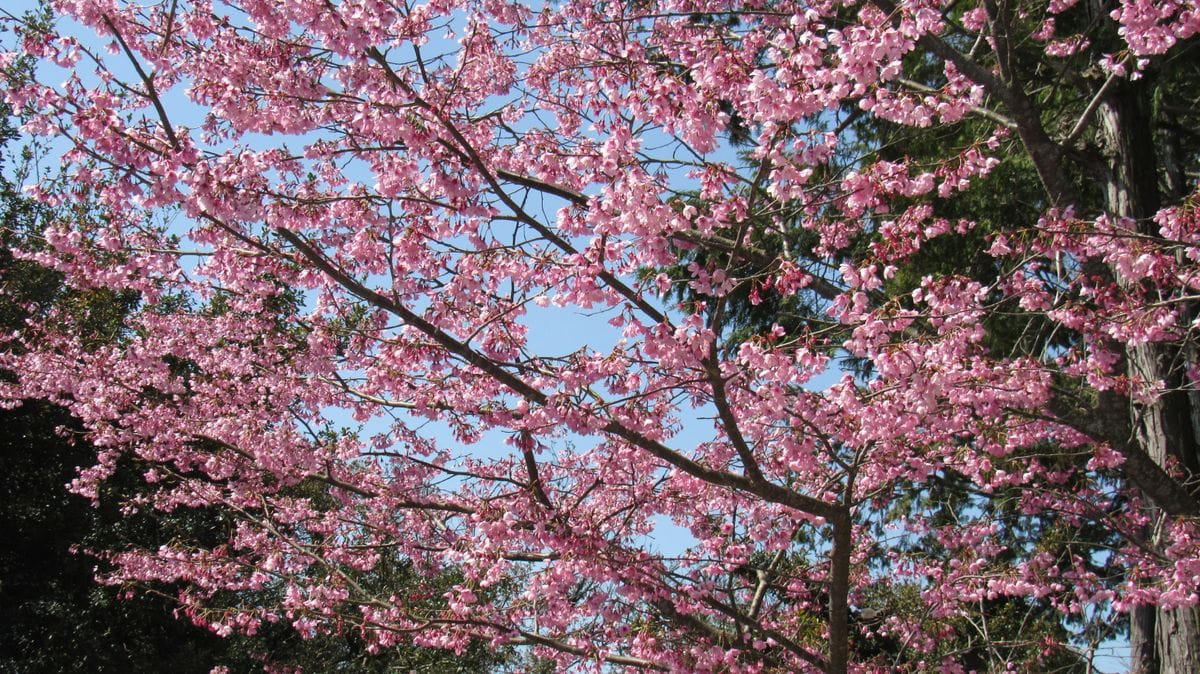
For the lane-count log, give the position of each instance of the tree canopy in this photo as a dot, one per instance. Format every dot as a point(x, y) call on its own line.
point(889, 305)
point(56, 617)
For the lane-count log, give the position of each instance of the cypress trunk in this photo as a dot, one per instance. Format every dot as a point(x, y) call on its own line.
point(1162, 641)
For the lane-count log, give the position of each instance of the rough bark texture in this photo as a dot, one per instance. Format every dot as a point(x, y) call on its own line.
point(1161, 641)
point(1177, 638)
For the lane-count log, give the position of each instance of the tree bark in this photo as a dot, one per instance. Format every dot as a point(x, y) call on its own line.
point(1177, 639)
point(839, 589)
point(1161, 641)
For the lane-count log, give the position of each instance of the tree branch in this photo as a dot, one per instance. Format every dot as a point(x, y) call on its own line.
point(765, 490)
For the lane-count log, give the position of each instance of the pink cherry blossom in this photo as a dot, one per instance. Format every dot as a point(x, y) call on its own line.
point(345, 260)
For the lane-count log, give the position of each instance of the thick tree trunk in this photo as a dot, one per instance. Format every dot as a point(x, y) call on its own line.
point(1141, 640)
point(1177, 638)
point(1161, 641)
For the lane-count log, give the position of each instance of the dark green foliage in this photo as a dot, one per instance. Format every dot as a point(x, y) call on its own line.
point(55, 617)
point(750, 310)
point(1009, 200)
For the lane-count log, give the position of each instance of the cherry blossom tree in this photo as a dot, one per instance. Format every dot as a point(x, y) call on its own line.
point(349, 225)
